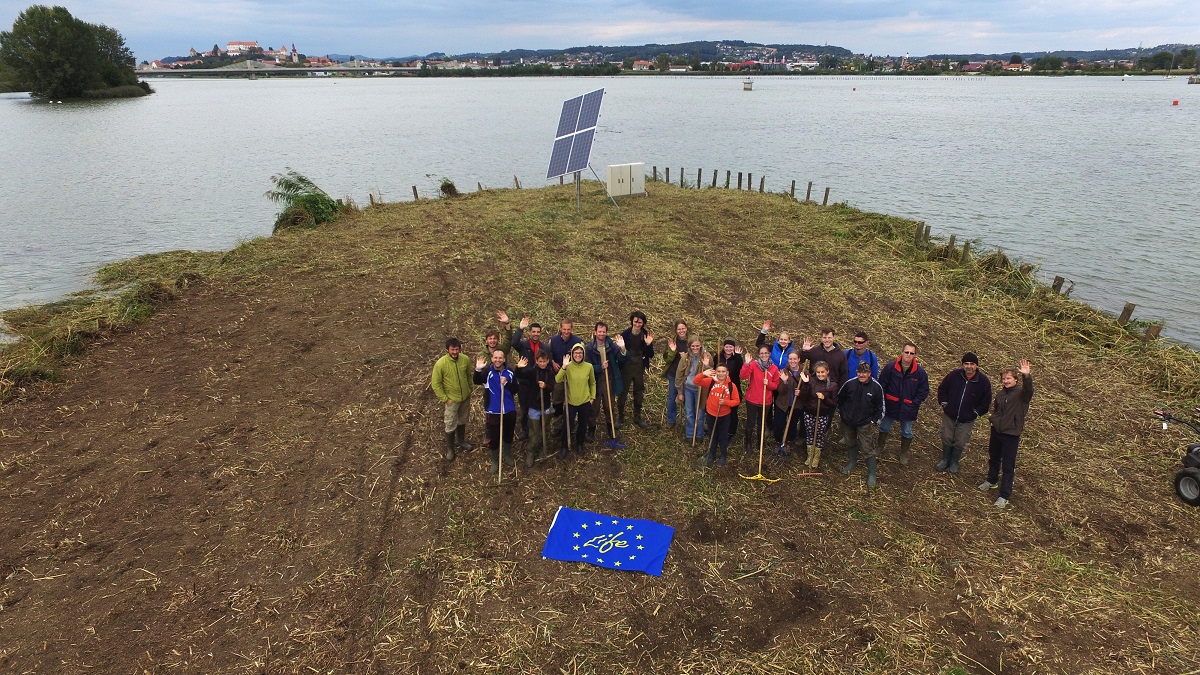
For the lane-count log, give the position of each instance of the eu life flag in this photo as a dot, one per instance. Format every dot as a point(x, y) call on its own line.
point(615, 543)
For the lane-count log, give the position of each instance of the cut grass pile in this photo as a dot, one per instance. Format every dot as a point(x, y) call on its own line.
point(345, 543)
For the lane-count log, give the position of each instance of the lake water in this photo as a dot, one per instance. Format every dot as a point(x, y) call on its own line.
point(1093, 178)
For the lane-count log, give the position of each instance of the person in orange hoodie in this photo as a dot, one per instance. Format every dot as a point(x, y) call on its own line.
point(722, 401)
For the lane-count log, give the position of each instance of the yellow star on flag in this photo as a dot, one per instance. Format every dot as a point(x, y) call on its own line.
point(575, 548)
point(599, 559)
point(633, 557)
point(640, 547)
point(617, 563)
point(616, 522)
point(639, 536)
point(576, 535)
point(598, 522)
point(585, 525)
point(629, 527)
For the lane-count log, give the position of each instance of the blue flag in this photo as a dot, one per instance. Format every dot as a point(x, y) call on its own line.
point(605, 541)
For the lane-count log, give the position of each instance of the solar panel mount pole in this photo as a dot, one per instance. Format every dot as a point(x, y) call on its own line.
point(578, 198)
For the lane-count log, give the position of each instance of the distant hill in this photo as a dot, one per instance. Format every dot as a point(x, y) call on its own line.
point(1126, 54)
point(706, 50)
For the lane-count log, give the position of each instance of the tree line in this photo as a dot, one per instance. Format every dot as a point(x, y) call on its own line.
point(55, 55)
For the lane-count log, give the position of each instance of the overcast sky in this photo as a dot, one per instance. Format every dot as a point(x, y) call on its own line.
point(383, 28)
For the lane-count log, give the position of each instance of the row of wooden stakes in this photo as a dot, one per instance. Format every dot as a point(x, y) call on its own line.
point(921, 240)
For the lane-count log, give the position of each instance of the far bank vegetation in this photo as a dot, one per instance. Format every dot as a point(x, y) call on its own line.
point(55, 56)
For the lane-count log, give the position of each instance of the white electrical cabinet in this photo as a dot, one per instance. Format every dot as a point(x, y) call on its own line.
point(627, 179)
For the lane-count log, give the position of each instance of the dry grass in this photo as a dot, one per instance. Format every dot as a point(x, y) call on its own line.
point(1092, 570)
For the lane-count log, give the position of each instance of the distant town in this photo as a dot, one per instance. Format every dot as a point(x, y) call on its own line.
point(727, 56)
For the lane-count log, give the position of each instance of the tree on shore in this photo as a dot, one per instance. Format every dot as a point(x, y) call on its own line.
point(59, 56)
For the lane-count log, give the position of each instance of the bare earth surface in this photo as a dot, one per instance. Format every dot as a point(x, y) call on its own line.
point(251, 480)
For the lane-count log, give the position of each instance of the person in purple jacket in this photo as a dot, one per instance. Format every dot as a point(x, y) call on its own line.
point(964, 395)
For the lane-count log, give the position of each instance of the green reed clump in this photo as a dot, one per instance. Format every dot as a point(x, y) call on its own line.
point(304, 204)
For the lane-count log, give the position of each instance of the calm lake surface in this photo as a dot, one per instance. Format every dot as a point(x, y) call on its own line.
point(1094, 178)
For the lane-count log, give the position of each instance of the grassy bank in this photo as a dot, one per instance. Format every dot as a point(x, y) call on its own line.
point(126, 91)
point(245, 460)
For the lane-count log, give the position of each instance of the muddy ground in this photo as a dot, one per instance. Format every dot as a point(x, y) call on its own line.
point(252, 481)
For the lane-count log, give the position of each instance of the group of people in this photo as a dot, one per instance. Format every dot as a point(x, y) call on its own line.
point(790, 395)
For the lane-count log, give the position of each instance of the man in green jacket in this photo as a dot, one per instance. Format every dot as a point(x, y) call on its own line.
point(452, 385)
point(579, 379)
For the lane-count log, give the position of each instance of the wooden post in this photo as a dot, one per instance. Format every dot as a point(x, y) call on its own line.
point(415, 195)
point(727, 174)
point(762, 181)
point(793, 189)
point(950, 246)
point(917, 234)
point(699, 178)
point(1152, 331)
point(560, 180)
point(714, 183)
point(1057, 285)
point(739, 180)
point(479, 186)
point(371, 198)
point(808, 195)
point(1126, 313)
point(667, 173)
point(925, 236)
point(681, 176)
point(654, 177)
point(966, 254)
point(516, 182)
point(825, 201)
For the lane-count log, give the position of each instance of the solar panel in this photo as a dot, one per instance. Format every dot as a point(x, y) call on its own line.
point(581, 151)
point(590, 112)
point(559, 157)
point(576, 131)
point(567, 122)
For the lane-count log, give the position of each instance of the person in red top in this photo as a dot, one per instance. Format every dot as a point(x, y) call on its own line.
point(722, 399)
point(755, 374)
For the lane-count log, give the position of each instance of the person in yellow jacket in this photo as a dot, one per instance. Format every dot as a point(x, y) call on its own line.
point(452, 385)
point(579, 377)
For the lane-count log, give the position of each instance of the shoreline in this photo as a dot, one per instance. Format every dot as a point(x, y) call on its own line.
point(135, 288)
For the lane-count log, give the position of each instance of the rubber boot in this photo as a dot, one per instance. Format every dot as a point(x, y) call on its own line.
point(529, 455)
point(450, 446)
point(852, 456)
point(579, 449)
point(510, 457)
point(463, 445)
point(872, 463)
point(707, 460)
point(945, 463)
point(637, 415)
point(880, 442)
point(816, 461)
point(905, 443)
point(808, 455)
point(563, 449)
point(955, 457)
point(495, 469)
point(723, 458)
